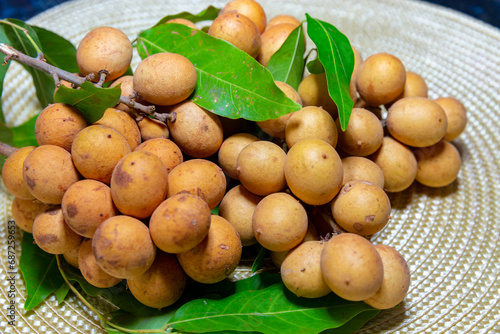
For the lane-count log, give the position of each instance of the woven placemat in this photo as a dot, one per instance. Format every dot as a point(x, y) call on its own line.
point(449, 236)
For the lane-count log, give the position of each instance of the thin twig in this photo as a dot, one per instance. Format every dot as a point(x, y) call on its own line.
point(6, 149)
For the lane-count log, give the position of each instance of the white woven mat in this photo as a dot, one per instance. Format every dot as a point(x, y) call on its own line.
point(450, 236)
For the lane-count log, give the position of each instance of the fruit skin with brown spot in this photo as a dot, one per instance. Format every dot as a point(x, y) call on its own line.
point(139, 184)
point(216, 257)
point(123, 123)
point(24, 212)
point(165, 78)
point(123, 247)
point(251, 9)
point(104, 48)
point(165, 149)
point(90, 270)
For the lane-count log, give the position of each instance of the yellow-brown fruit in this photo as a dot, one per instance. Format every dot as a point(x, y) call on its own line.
point(363, 169)
point(363, 135)
point(279, 222)
point(352, 267)
point(180, 223)
point(96, 150)
point(380, 79)
point(437, 165)
point(415, 86)
point(197, 131)
point(139, 184)
point(24, 212)
point(161, 285)
point(251, 9)
point(272, 39)
point(165, 78)
point(230, 149)
point(165, 149)
point(152, 128)
point(313, 91)
point(183, 21)
point(301, 271)
point(58, 124)
point(275, 127)
point(123, 247)
point(126, 83)
point(456, 114)
point(398, 164)
point(90, 270)
point(12, 173)
point(71, 256)
point(52, 234)
point(123, 123)
point(417, 121)
point(198, 177)
point(283, 18)
point(361, 207)
point(47, 172)
point(238, 30)
point(396, 281)
point(260, 167)
point(308, 123)
point(104, 48)
point(237, 207)
point(216, 257)
point(313, 171)
point(85, 205)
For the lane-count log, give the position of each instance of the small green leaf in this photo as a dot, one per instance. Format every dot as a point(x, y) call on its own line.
point(337, 57)
point(61, 293)
point(40, 272)
point(92, 101)
point(287, 64)
point(315, 67)
point(24, 134)
point(265, 311)
point(230, 83)
point(210, 13)
point(259, 260)
point(57, 50)
point(6, 137)
point(44, 84)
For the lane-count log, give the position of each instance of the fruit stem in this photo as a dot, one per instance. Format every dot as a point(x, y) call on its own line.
point(6, 149)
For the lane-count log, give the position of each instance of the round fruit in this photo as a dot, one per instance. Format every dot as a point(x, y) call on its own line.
point(230, 149)
point(123, 123)
point(396, 281)
point(165, 78)
point(123, 247)
point(352, 267)
point(361, 207)
point(272, 39)
point(90, 269)
point(48, 172)
point(139, 184)
point(313, 91)
point(24, 212)
point(250, 8)
point(126, 83)
point(311, 122)
point(279, 222)
point(381, 78)
point(301, 271)
point(456, 116)
point(152, 128)
point(313, 171)
point(58, 124)
point(168, 152)
point(238, 30)
point(180, 223)
point(283, 18)
point(363, 135)
point(360, 168)
point(417, 121)
point(104, 48)
point(85, 205)
point(216, 257)
point(12, 173)
point(198, 177)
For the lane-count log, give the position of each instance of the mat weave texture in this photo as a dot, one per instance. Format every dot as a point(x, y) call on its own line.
point(449, 236)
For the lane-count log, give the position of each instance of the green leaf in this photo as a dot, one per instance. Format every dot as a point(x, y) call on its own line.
point(3, 71)
point(44, 84)
point(24, 134)
point(315, 66)
point(266, 310)
point(259, 260)
point(230, 83)
point(40, 272)
point(6, 136)
point(287, 64)
point(210, 13)
point(92, 101)
point(61, 293)
point(57, 50)
point(337, 57)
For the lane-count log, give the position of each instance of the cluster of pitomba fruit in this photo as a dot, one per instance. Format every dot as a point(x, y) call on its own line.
point(124, 196)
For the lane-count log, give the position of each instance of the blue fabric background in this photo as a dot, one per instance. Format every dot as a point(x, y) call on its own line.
point(485, 10)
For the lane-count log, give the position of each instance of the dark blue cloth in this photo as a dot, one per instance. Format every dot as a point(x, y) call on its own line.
point(485, 10)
